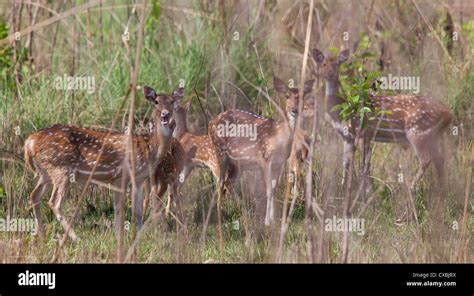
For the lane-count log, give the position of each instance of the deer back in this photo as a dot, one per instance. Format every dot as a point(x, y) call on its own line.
point(248, 137)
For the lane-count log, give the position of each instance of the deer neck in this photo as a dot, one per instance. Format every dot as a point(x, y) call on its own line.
point(159, 142)
point(291, 121)
point(284, 130)
point(181, 127)
point(333, 98)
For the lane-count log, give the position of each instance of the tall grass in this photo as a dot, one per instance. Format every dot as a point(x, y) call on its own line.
point(194, 42)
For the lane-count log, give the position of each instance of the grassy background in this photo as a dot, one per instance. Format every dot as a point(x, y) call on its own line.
point(197, 41)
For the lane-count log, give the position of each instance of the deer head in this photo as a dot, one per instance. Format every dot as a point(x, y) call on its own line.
point(180, 116)
point(329, 67)
point(292, 96)
point(309, 107)
point(164, 104)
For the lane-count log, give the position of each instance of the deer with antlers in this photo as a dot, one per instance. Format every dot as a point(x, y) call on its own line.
point(252, 142)
point(417, 120)
point(63, 154)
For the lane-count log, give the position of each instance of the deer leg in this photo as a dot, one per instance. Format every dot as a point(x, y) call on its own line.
point(348, 153)
point(232, 183)
point(56, 202)
point(138, 205)
point(220, 172)
point(219, 167)
point(35, 197)
point(119, 203)
point(168, 203)
point(367, 184)
point(439, 165)
point(220, 183)
point(220, 193)
point(160, 190)
point(421, 146)
point(176, 196)
point(275, 177)
point(437, 156)
point(267, 177)
point(424, 154)
point(421, 171)
point(438, 159)
point(147, 191)
point(162, 187)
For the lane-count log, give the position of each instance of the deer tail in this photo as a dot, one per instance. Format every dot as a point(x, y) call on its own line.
point(29, 160)
point(446, 120)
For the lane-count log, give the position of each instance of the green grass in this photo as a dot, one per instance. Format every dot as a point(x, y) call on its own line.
point(181, 46)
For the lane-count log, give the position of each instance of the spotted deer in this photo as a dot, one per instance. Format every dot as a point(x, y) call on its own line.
point(167, 176)
point(303, 135)
point(199, 149)
point(62, 154)
point(417, 120)
point(267, 150)
point(188, 151)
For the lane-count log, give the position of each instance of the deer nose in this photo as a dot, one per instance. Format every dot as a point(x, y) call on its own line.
point(165, 116)
point(165, 113)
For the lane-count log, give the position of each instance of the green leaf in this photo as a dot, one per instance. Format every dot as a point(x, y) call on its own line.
point(355, 98)
point(154, 13)
point(373, 75)
point(337, 107)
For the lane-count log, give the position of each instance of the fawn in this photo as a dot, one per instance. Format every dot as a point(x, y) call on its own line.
point(60, 152)
point(267, 150)
point(200, 151)
point(303, 136)
point(167, 174)
point(417, 120)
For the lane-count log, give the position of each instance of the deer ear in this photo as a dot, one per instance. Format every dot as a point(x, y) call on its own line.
point(280, 86)
point(150, 94)
point(177, 96)
point(308, 86)
point(318, 56)
point(178, 93)
point(344, 55)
